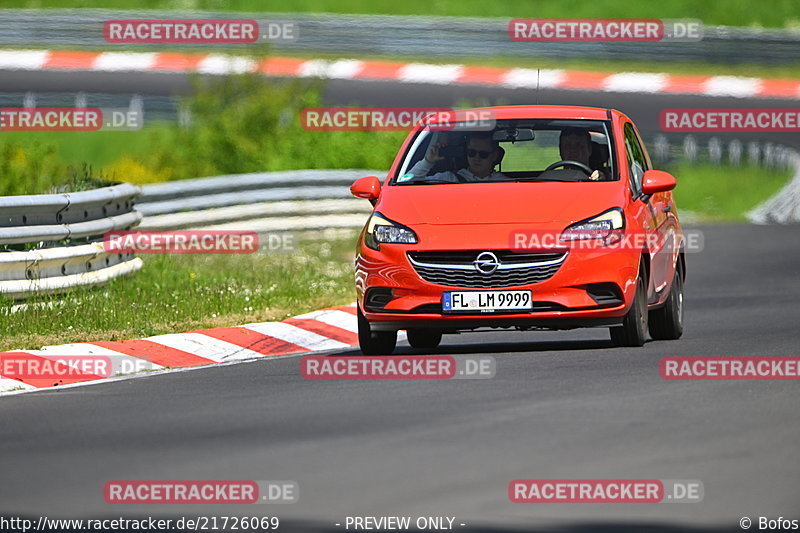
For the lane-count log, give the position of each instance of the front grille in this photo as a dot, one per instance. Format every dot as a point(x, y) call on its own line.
point(456, 268)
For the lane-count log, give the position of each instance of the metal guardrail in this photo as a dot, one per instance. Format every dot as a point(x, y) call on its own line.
point(61, 228)
point(267, 201)
point(423, 36)
point(784, 206)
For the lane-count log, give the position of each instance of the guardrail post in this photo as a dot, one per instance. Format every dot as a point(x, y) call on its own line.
point(690, 148)
point(661, 149)
point(714, 151)
point(735, 152)
point(754, 153)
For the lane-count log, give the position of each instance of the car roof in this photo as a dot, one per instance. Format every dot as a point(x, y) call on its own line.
point(540, 111)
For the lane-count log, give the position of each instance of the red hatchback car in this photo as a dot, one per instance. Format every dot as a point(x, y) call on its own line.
point(539, 218)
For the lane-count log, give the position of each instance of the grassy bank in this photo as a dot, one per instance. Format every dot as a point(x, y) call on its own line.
point(187, 292)
point(724, 193)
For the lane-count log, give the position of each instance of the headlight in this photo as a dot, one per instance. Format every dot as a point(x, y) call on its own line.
point(608, 226)
point(382, 230)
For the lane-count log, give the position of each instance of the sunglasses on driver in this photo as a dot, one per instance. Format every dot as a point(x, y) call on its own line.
point(483, 154)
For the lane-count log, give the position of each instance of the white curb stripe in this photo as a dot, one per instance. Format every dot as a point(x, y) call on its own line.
point(342, 69)
point(205, 346)
point(124, 61)
point(295, 335)
point(11, 384)
point(526, 77)
point(335, 317)
point(424, 73)
point(221, 64)
point(634, 82)
point(23, 59)
point(732, 86)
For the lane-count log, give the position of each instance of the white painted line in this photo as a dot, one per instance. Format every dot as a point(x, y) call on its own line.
point(732, 86)
point(526, 77)
point(424, 73)
point(635, 82)
point(124, 61)
point(23, 59)
point(289, 333)
point(204, 346)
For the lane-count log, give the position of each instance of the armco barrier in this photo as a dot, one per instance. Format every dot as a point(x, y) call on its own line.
point(63, 229)
point(60, 229)
point(268, 201)
point(784, 206)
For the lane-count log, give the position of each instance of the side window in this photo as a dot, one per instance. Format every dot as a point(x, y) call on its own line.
point(636, 158)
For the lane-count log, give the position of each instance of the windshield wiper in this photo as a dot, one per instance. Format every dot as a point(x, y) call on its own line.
point(423, 181)
point(543, 180)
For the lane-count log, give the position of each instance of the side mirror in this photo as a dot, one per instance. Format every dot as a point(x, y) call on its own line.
point(655, 181)
point(368, 188)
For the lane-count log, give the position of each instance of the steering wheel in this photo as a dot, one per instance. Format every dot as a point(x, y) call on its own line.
point(567, 163)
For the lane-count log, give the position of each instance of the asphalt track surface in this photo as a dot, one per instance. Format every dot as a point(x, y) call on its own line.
point(644, 109)
point(563, 405)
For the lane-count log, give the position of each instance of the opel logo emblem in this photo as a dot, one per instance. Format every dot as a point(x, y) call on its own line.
point(486, 263)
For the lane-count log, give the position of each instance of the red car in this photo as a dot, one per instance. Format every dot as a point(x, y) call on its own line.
point(537, 218)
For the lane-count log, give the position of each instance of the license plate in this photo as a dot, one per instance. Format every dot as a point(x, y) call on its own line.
point(486, 301)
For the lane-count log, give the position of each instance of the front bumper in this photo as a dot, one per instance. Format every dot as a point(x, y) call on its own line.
point(562, 301)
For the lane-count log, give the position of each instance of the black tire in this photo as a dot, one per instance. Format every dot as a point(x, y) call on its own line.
point(374, 342)
point(666, 323)
point(633, 331)
point(425, 339)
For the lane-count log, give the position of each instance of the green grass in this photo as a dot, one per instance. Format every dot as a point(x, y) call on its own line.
point(769, 13)
point(185, 292)
point(240, 124)
point(97, 148)
point(724, 193)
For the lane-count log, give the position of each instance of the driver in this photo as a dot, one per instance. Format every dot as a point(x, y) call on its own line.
point(483, 154)
point(575, 144)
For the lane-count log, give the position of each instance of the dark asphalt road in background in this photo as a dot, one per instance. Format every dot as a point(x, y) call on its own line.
point(563, 405)
point(644, 109)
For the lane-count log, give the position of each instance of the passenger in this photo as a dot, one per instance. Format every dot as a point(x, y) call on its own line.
point(483, 154)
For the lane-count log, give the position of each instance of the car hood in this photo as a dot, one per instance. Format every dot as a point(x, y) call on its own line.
point(498, 203)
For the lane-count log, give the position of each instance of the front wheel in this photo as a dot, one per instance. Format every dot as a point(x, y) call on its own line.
point(633, 330)
point(425, 339)
point(666, 323)
point(374, 342)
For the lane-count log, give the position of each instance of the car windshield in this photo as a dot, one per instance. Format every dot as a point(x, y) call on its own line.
point(535, 150)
